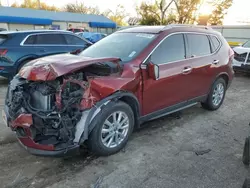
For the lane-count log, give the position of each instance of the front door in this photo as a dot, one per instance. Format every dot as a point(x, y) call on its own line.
point(175, 75)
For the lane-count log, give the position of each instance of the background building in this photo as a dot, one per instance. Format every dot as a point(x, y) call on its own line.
point(29, 19)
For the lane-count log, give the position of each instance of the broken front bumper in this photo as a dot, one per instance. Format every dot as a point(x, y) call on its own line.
point(70, 151)
point(22, 126)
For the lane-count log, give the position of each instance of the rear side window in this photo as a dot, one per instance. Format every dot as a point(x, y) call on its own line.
point(215, 43)
point(74, 40)
point(198, 45)
point(30, 40)
point(170, 50)
point(3, 38)
point(50, 39)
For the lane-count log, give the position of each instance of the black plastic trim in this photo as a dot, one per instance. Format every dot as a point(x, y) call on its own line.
point(89, 126)
point(172, 109)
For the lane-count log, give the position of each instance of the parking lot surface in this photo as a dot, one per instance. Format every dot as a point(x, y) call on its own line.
point(198, 149)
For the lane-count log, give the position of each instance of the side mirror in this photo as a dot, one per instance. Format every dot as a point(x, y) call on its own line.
point(153, 71)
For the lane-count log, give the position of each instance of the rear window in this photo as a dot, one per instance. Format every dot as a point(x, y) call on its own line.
point(3, 38)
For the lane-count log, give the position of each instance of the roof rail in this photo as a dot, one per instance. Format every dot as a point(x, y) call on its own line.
point(186, 25)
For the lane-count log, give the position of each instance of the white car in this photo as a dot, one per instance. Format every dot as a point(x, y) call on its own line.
point(241, 60)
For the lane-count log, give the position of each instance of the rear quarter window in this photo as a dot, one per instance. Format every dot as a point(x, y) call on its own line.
point(215, 43)
point(30, 40)
point(74, 40)
point(3, 38)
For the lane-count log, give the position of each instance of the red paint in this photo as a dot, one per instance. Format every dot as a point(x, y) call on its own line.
point(172, 87)
point(51, 67)
point(28, 142)
point(23, 120)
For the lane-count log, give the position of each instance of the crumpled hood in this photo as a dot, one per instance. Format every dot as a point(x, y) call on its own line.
point(241, 50)
point(51, 67)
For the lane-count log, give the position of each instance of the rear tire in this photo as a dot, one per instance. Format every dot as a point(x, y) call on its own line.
point(112, 129)
point(216, 95)
point(246, 154)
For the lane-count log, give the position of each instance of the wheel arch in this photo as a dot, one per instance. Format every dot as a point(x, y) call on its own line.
point(124, 96)
point(223, 75)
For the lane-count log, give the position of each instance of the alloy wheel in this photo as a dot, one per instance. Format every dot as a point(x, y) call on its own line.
point(218, 94)
point(115, 129)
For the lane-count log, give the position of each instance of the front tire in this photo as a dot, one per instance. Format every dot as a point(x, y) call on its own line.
point(216, 95)
point(246, 183)
point(112, 129)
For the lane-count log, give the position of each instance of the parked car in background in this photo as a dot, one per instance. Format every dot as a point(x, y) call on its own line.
point(76, 30)
point(58, 103)
point(18, 48)
point(241, 61)
point(92, 37)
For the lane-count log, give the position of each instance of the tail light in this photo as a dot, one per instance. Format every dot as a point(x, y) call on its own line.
point(3, 52)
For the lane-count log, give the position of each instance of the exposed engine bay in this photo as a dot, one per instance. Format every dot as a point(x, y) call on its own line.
point(56, 106)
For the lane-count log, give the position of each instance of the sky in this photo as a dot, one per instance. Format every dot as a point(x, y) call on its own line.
point(238, 12)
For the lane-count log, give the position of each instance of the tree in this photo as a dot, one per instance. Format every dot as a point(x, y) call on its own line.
point(155, 14)
point(117, 16)
point(81, 8)
point(220, 10)
point(148, 14)
point(35, 4)
point(186, 11)
point(181, 12)
point(163, 6)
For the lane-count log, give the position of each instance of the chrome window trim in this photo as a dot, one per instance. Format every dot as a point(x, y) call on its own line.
point(66, 33)
point(206, 34)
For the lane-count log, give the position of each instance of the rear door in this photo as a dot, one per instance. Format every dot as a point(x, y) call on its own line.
point(175, 77)
point(205, 61)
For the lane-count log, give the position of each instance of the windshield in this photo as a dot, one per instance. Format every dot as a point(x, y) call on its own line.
point(126, 46)
point(246, 44)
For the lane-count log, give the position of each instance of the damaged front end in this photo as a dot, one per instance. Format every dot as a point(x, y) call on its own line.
point(49, 115)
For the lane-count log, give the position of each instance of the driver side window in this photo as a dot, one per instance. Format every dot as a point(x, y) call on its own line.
point(170, 50)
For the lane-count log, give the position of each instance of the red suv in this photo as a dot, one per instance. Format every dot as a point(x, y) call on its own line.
point(58, 103)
